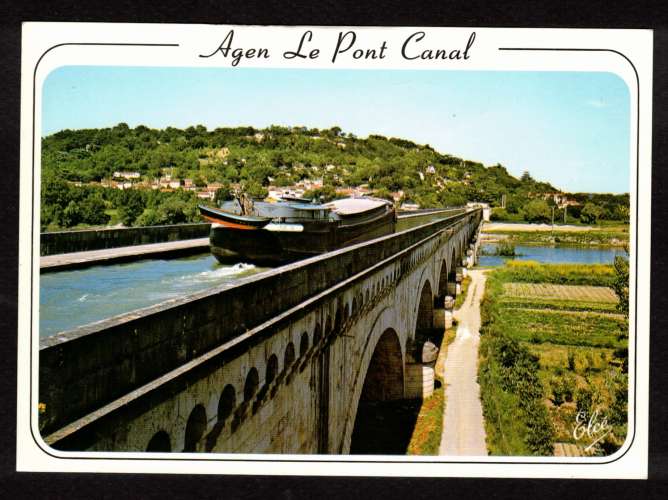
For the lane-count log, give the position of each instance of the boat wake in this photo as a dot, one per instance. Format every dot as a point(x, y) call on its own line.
point(211, 276)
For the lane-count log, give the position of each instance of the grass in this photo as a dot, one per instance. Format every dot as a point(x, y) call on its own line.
point(461, 297)
point(426, 437)
point(560, 274)
point(581, 238)
point(580, 328)
point(561, 292)
point(574, 345)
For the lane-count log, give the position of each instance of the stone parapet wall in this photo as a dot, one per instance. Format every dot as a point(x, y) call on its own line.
point(99, 239)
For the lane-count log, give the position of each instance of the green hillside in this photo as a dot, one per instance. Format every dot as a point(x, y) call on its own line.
point(254, 159)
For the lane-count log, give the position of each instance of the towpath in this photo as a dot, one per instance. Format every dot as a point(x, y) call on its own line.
point(73, 260)
point(463, 424)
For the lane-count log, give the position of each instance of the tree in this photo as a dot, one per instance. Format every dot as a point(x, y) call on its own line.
point(590, 213)
point(621, 284)
point(223, 193)
point(131, 205)
point(526, 177)
point(537, 211)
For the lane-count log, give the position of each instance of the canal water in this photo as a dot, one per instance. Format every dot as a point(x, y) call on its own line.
point(74, 298)
point(554, 255)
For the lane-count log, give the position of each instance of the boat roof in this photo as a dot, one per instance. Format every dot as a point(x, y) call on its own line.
point(308, 206)
point(349, 206)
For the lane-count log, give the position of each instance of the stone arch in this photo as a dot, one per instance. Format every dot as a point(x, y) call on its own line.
point(195, 428)
point(226, 403)
point(159, 443)
point(384, 320)
point(289, 356)
point(338, 318)
point(383, 381)
point(424, 317)
point(251, 385)
point(272, 370)
point(317, 333)
point(443, 280)
point(303, 345)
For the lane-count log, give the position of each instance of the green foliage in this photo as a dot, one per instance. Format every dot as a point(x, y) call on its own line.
point(499, 214)
point(590, 213)
point(324, 193)
point(64, 205)
point(537, 211)
point(130, 206)
point(505, 248)
point(562, 389)
point(283, 156)
point(512, 398)
point(224, 193)
point(620, 284)
point(560, 274)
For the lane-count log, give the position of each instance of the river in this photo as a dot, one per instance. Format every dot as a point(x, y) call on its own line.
point(552, 254)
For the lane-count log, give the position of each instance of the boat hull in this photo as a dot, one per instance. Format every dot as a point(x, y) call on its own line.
point(273, 247)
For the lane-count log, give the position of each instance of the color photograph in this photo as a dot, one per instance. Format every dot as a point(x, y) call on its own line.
point(334, 262)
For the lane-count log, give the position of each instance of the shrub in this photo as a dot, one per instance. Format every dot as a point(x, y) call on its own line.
point(562, 389)
point(499, 214)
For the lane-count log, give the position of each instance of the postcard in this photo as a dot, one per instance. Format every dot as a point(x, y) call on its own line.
point(334, 250)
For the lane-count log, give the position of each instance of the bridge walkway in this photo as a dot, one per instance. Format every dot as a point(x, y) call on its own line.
point(59, 262)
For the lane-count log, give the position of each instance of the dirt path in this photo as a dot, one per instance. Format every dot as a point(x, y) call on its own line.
point(463, 425)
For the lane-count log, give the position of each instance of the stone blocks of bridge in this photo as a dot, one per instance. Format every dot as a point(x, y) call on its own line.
point(419, 381)
point(269, 399)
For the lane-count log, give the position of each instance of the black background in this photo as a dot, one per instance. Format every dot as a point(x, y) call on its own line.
point(474, 13)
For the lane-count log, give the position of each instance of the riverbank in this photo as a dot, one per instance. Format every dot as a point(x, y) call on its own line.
point(545, 234)
point(553, 346)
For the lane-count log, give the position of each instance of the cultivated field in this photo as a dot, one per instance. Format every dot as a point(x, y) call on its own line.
point(561, 292)
point(553, 345)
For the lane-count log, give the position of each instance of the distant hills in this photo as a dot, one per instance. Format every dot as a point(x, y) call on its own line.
point(283, 156)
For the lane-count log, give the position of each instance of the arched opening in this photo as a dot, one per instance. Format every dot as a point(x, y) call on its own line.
point(272, 370)
point(443, 281)
point(289, 356)
point(195, 428)
point(338, 319)
point(226, 403)
point(317, 333)
point(384, 421)
point(251, 385)
point(425, 314)
point(452, 275)
point(303, 344)
point(159, 443)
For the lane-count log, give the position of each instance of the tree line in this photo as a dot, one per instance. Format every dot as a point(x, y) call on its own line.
point(256, 158)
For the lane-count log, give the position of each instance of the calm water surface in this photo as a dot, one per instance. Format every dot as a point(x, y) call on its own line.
point(74, 298)
point(555, 255)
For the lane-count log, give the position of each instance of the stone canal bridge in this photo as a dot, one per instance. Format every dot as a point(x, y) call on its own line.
point(278, 362)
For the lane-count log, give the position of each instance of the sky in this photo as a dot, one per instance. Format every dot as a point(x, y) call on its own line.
point(571, 129)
